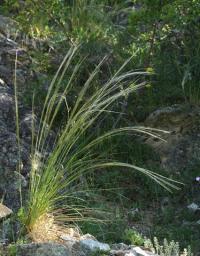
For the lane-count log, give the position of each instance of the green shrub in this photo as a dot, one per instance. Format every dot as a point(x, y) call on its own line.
point(133, 237)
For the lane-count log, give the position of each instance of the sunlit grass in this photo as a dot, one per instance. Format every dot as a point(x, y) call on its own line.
point(74, 152)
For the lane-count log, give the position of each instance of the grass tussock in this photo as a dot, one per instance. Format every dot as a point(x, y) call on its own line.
point(74, 151)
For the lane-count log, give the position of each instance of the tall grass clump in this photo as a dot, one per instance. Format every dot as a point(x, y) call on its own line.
point(74, 150)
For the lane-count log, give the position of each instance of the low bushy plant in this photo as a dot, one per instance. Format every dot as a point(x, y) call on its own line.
point(167, 248)
point(133, 237)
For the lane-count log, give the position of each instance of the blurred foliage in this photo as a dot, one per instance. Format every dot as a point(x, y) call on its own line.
point(76, 20)
point(166, 36)
point(160, 34)
point(133, 237)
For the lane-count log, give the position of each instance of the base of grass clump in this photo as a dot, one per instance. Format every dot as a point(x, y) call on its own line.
point(45, 229)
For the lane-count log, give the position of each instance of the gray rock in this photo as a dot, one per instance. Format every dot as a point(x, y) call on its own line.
point(9, 154)
point(131, 253)
point(120, 246)
point(11, 179)
point(87, 236)
point(69, 241)
point(137, 251)
point(93, 245)
point(42, 249)
point(90, 246)
point(193, 207)
point(134, 251)
point(181, 150)
point(8, 27)
point(9, 33)
point(9, 162)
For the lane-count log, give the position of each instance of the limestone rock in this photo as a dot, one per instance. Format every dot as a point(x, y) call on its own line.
point(181, 149)
point(137, 251)
point(93, 245)
point(132, 251)
point(9, 158)
point(8, 27)
point(89, 246)
point(9, 154)
point(42, 249)
point(9, 48)
point(68, 241)
point(120, 246)
point(4, 211)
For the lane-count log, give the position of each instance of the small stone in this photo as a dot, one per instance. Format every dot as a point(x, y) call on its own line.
point(2, 82)
point(87, 236)
point(120, 246)
point(67, 238)
point(137, 251)
point(4, 211)
point(130, 254)
point(197, 179)
point(193, 207)
point(134, 212)
point(69, 241)
point(198, 222)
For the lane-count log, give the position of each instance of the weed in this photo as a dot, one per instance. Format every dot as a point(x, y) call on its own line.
point(12, 250)
point(133, 237)
point(167, 249)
